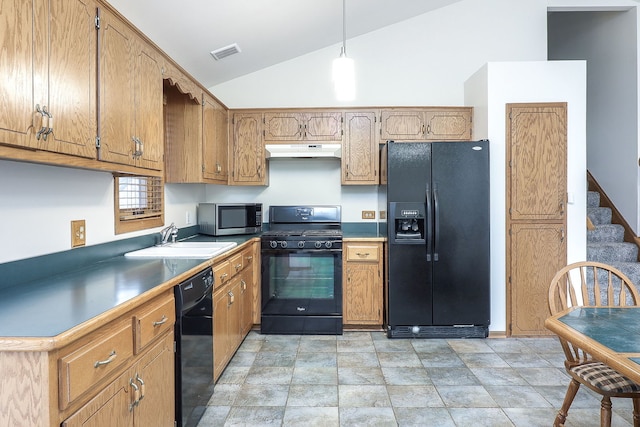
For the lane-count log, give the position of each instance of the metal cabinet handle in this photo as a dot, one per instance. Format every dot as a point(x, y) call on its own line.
point(244, 285)
point(142, 387)
point(49, 123)
point(362, 254)
point(162, 321)
point(223, 276)
point(238, 266)
point(45, 122)
point(136, 395)
point(110, 359)
point(231, 297)
point(249, 258)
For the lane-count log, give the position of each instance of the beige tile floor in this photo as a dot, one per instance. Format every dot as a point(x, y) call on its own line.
point(365, 379)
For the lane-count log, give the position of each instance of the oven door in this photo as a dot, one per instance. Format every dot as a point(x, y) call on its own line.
point(301, 282)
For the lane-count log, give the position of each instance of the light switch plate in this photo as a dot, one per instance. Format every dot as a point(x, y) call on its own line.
point(78, 233)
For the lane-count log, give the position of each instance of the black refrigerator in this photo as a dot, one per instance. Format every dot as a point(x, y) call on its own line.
point(438, 239)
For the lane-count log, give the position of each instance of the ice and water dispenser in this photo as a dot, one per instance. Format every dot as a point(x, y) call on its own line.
point(409, 223)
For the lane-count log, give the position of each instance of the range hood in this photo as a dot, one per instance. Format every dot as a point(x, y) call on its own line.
point(275, 151)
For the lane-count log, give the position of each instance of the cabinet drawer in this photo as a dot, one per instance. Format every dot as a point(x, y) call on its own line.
point(221, 273)
point(362, 253)
point(153, 320)
point(104, 352)
point(237, 263)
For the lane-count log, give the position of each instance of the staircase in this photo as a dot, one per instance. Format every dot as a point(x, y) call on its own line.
point(606, 243)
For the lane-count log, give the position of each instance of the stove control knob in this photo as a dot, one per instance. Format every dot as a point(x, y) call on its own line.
point(301, 244)
point(328, 245)
point(283, 244)
point(318, 245)
point(273, 244)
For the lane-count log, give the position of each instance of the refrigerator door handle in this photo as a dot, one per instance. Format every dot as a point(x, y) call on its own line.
point(428, 230)
point(436, 222)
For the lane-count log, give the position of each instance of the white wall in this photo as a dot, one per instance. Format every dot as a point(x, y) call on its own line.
point(490, 89)
point(302, 181)
point(607, 40)
point(421, 61)
point(38, 202)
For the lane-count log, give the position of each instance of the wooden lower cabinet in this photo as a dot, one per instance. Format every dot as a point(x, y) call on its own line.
point(233, 305)
point(362, 283)
point(142, 396)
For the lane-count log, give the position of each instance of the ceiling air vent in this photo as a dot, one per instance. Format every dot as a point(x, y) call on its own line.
point(223, 52)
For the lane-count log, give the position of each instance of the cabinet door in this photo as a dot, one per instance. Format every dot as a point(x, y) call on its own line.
point(538, 250)
point(246, 289)
point(116, 85)
point(280, 127)
point(537, 163)
point(362, 294)
point(148, 107)
point(220, 331)
point(448, 125)
point(249, 161)
point(215, 141)
point(323, 126)
point(111, 407)
point(402, 125)
point(18, 65)
point(72, 78)
point(48, 62)
point(154, 375)
point(360, 150)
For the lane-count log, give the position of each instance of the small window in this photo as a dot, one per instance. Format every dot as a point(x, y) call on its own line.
point(139, 202)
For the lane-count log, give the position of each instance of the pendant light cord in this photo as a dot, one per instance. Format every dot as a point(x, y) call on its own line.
point(344, 27)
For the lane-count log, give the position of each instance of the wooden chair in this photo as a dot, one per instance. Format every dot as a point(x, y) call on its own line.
point(593, 284)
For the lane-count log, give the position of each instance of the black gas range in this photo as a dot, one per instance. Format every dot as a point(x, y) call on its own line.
point(302, 271)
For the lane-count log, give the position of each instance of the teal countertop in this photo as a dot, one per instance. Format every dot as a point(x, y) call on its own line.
point(48, 295)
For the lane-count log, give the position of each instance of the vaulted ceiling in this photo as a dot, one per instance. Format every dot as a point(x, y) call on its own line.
point(266, 31)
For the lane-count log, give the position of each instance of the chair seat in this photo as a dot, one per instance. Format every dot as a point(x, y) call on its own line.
point(605, 378)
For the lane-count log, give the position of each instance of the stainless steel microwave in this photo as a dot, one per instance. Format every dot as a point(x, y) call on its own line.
point(225, 219)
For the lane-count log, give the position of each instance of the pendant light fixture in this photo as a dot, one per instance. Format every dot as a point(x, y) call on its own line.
point(344, 78)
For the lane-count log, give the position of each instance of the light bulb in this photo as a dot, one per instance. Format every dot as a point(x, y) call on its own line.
point(344, 78)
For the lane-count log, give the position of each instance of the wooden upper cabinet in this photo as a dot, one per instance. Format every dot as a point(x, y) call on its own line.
point(49, 57)
point(302, 126)
point(426, 124)
point(360, 158)
point(215, 140)
point(248, 161)
point(130, 97)
point(537, 158)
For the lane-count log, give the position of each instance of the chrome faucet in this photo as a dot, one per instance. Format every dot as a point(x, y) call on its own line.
point(172, 231)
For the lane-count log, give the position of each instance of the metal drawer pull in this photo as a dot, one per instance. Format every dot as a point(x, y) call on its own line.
point(238, 266)
point(362, 254)
point(136, 394)
point(110, 359)
point(223, 276)
point(162, 321)
point(141, 387)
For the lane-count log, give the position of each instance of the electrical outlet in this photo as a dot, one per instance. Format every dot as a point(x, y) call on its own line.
point(78, 233)
point(188, 217)
point(368, 214)
point(383, 214)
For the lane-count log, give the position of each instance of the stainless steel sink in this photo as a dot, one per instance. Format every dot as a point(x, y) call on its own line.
point(201, 250)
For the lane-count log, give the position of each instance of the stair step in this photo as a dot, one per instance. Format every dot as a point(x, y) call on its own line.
point(600, 215)
point(608, 252)
point(606, 233)
point(631, 269)
point(593, 199)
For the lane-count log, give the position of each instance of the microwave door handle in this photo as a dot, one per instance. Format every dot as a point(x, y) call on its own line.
point(428, 224)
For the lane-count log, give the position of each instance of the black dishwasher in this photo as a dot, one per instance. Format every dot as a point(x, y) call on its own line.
point(194, 347)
